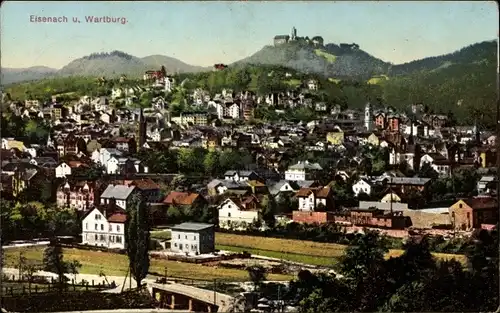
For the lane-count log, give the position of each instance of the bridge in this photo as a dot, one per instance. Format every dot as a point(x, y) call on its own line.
point(188, 298)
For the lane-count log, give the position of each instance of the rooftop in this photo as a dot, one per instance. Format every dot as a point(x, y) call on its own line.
point(192, 226)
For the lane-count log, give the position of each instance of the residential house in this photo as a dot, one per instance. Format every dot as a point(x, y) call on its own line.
point(438, 162)
point(363, 185)
point(23, 178)
point(311, 199)
point(380, 121)
point(63, 170)
point(79, 195)
point(238, 176)
point(10, 143)
point(118, 194)
point(312, 84)
point(149, 190)
point(406, 185)
point(176, 198)
point(104, 226)
point(238, 212)
point(335, 138)
point(487, 183)
point(303, 171)
point(471, 213)
point(192, 238)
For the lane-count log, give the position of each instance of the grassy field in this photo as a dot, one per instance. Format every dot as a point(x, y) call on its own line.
point(377, 79)
point(329, 57)
point(294, 82)
point(300, 258)
point(334, 80)
point(112, 264)
point(308, 250)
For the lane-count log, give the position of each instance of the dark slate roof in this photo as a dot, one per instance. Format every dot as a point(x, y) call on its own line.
point(191, 226)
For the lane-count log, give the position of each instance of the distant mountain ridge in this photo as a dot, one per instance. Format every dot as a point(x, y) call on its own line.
point(330, 60)
point(110, 64)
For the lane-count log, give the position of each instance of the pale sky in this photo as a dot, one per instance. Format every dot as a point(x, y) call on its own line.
point(204, 33)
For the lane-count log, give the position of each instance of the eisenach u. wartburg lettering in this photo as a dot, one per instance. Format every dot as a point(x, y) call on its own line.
point(88, 19)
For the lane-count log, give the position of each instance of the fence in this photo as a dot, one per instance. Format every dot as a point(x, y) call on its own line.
point(38, 284)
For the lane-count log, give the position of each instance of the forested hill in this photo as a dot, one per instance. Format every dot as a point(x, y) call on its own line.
point(485, 51)
point(330, 61)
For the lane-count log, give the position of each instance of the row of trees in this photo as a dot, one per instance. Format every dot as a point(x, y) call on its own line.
point(33, 219)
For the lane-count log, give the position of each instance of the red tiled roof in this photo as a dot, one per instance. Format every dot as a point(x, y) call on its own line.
point(121, 139)
point(145, 184)
point(303, 192)
point(181, 198)
point(74, 164)
point(119, 217)
point(319, 192)
point(479, 203)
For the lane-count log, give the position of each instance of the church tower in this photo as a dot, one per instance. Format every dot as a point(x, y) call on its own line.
point(368, 117)
point(293, 35)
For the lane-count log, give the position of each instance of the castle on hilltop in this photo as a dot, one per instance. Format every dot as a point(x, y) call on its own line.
point(283, 39)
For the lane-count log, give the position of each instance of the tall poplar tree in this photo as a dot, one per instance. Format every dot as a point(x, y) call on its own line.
point(137, 238)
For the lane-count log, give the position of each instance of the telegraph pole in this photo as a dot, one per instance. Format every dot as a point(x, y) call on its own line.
point(215, 292)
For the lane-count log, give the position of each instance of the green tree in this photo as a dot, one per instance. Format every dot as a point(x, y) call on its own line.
point(268, 211)
point(211, 163)
point(364, 254)
point(137, 238)
point(74, 268)
point(53, 261)
point(257, 274)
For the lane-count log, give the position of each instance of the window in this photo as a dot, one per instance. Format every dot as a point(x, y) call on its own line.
point(96, 227)
point(96, 216)
point(112, 238)
point(96, 237)
point(194, 237)
point(117, 227)
point(178, 236)
point(102, 238)
point(102, 226)
point(185, 237)
point(110, 228)
point(460, 206)
point(228, 214)
point(86, 225)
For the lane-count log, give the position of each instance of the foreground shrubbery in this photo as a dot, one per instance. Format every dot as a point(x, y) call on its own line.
point(412, 282)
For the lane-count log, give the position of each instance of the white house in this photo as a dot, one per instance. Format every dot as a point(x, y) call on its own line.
point(310, 198)
point(105, 228)
point(362, 185)
point(302, 171)
point(312, 84)
point(102, 155)
point(120, 194)
point(233, 213)
point(192, 238)
point(439, 163)
point(234, 111)
point(63, 170)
